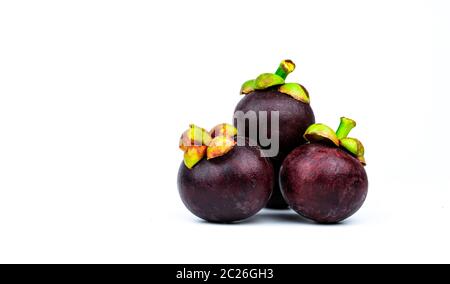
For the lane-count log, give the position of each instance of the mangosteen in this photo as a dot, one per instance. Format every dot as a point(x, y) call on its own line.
point(265, 97)
point(233, 183)
point(325, 180)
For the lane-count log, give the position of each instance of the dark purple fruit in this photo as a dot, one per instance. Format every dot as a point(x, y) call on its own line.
point(323, 182)
point(233, 184)
point(294, 117)
point(270, 93)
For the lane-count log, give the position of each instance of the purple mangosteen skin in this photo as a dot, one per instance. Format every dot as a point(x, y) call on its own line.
point(323, 183)
point(294, 117)
point(229, 188)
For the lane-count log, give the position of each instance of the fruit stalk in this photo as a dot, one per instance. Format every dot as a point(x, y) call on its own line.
point(286, 67)
point(345, 127)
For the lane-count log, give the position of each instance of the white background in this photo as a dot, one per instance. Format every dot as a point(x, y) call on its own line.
point(95, 94)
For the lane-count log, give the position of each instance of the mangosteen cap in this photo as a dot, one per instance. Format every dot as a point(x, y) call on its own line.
point(321, 133)
point(196, 143)
point(268, 80)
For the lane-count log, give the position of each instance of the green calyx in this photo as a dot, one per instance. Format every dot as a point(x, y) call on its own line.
point(194, 136)
point(268, 80)
point(355, 147)
point(193, 155)
point(193, 143)
point(223, 129)
point(248, 87)
point(296, 91)
point(197, 143)
point(322, 133)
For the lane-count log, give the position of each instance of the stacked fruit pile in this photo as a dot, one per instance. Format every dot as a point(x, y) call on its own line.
point(319, 173)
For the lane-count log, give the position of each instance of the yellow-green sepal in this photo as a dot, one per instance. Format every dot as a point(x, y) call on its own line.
point(193, 155)
point(355, 147)
point(194, 136)
point(267, 80)
point(248, 87)
point(223, 129)
point(296, 91)
point(219, 146)
point(321, 133)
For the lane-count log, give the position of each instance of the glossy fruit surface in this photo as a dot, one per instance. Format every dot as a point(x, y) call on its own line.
point(323, 183)
point(294, 118)
point(228, 188)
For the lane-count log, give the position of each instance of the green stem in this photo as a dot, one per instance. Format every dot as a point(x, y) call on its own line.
point(345, 127)
point(286, 67)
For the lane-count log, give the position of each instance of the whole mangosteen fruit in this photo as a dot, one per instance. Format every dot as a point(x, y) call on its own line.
point(272, 108)
point(325, 180)
point(233, 183)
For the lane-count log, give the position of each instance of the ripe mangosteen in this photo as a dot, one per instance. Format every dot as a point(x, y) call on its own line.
point(325, 180)
point(269, 95)
point(233, 183)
